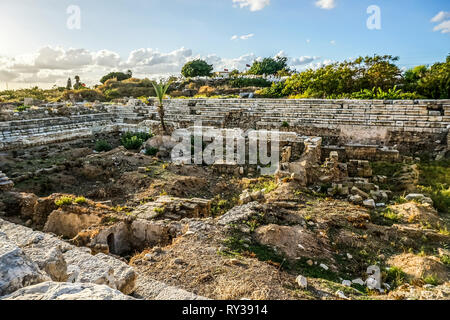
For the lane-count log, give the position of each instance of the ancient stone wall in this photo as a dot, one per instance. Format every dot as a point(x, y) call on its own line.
point(410, 126)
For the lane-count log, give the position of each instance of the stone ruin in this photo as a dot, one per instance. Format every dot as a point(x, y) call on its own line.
point(323, 143)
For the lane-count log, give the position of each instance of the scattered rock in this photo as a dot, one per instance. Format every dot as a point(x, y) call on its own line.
point(347, 283)
point(369, 203)
point(302, 282)
point(419, 197)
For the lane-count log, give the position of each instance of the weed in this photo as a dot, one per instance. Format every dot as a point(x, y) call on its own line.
point(64, 201)
point(80, 200)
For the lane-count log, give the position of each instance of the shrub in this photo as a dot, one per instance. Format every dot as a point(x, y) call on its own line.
point(132, 87)
point(249, 82)
point(285, 124)
point(395, 277)
point(274, 91)
point(64, 201)
point(151, 151)
point(119, 76)
point(83, 94)
point(102, 145)
point(133, 141)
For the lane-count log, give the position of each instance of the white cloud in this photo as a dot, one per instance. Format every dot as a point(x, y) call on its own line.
point(440, 16)
point(243, 37)
point(8, 75)
point(253, 5)
point(443, 27)
point(333, 42)
point(53, 65)
point(106, 58)
point(326, 4)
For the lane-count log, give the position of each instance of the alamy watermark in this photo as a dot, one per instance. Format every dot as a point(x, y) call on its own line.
point(206, 145)
point(374, 20)
point(74, 18)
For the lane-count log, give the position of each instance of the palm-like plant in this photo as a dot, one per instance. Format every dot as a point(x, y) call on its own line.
point(161, 89)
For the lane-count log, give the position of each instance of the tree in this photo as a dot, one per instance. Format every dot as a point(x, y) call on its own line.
point(435, 84)
point(160, 90)
point(197, 68)
point(412, 77)
point(120, 76)
point(69, 84)
point(269, 66)
point(77, 84)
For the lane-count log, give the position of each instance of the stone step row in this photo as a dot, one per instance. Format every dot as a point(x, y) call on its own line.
point(5, 183)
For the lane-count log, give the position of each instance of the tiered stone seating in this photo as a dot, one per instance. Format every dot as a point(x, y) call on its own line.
point(5, 183)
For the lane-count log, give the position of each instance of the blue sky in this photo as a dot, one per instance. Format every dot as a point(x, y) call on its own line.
point(155, 37)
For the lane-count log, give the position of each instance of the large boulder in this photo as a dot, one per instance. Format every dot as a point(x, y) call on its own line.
point(82, 266)
point(69, 224)
point(239, 213)
point(16, 269)
point(100, 269)
point(67, 291)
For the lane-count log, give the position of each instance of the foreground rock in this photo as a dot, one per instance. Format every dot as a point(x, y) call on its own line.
point(67, 291)
point(82, 266)
point(16, 269)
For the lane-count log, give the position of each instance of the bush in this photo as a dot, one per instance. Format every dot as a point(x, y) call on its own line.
point(133, 141)
point(119, 76)
point(249, 82)
point(132, 87)
point(274, 91)
point(102, 145)
point(197, 68)
point(395, 277)
point(83, 94)
point(151, 151)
